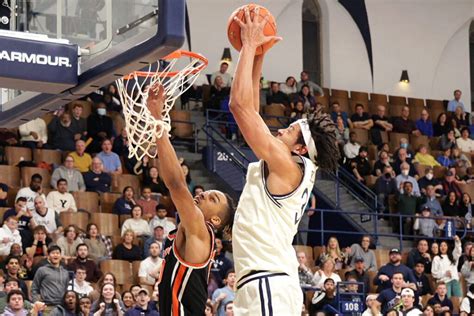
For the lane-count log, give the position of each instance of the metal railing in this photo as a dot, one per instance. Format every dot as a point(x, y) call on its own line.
point(457, 226)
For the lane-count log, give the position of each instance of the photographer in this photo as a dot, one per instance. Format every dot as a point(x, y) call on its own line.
point(384, 186)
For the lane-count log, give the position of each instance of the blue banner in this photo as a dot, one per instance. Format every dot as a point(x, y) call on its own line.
point(35, 65)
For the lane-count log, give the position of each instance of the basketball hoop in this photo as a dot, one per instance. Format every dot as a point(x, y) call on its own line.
point(142, 128)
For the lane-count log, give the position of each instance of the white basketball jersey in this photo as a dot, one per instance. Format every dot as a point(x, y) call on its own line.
point(265, 224)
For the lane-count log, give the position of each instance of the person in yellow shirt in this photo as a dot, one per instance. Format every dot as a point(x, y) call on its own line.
point(424, 158)
point(82, 160)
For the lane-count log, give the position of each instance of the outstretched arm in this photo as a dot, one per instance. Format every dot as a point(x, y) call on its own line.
point(191, 217)
point(244, 102)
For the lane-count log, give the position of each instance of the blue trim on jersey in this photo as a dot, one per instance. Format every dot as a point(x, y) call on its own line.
point(269, 296)
point(262, 299)
point(266, 275)
point(264, 180)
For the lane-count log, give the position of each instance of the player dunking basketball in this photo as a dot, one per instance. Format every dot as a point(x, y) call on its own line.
point(277, 189)
point(190, 248)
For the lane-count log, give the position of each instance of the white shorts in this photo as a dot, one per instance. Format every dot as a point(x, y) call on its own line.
point(268, 294)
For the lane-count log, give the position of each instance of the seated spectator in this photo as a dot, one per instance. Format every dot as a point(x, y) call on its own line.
point(404, 124)
point(222, 72)
point(357, 251)
point(3, 195)
point(424, 158)
point(327, 271)
point(14, 270)
point(381, 123)
point(79, 124)
point(124, 204)
point(9, 235)
point(143, 306)
point(198, 189)
point(18, 305)
point(451, 205)
point(298, 111)
point(69, 306)
point(351, 148)
point(444, 267)
point(323, 298)
point(99, 128)
point(107, 304)
point(137, 223)
point(422, 282)
point(424, 124)
point(465, 143)
point(128, 300)
point(466, 207)
point(405, 177)
point(381, 163)
point(445, 159)
point(384, 279)
point(8, 137)
point(447, 141)
point(467, 270)
point(48, 218)
point(96, 180)
point(334, 252)
point(120, 147)
point(460, 118)
point(219, 91)
point(305, 95)
point(61, 200)
point(275, 96)
point(222, 296)
point(69, 242)
point(147, 203)
point(432, 202)
point(442, 125)
point(110, 160)
point(337, 112)
point(454, 103)
point(75, 181)
point(127, 250)
point(221, 264)
point(408, 303)
point(373, 308)
point(99, 246)
point(440, 301)
point(359, 273)
point(360, 119)
point(107, 278)
point(425, 224)
point(450, 184)
point(162, 220)
point(342, 133)
point(289, 86)
point(360, 165)
point(63, 134)
point(385, 185)
point(39, 247)
point(50, 281)
point(82, 259)
point(32, 191)
point(82, 160)
point(465, 255)
point(152, 180)
point(389, 297)
point(79, 283)
point(33, 134)
point(158, 237)
point(467, 303)
point(187, 175)
point(313, 87)
point(429, 179)
point(150, 268)
point(403, 157)
point(404, 144)
point(460, 160)
point(304, 272)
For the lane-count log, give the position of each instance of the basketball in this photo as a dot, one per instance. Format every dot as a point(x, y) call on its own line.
point(233, 28)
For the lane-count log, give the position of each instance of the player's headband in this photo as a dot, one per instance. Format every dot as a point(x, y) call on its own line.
point(308, 139)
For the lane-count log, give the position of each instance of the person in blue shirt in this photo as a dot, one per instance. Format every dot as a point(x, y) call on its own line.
point(142, 307)
point(445, 159)
point(454, 103)
point(424, 124)
point(124, 204)
point(336, 111)
point(384, 277)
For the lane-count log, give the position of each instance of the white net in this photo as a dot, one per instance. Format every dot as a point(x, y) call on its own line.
point(142, 128)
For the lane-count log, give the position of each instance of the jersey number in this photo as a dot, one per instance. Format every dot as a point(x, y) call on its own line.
point(304, 199)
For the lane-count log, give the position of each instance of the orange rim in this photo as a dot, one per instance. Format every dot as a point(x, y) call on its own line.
point(174, 55)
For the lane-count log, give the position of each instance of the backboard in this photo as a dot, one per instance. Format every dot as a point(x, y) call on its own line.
point(114, 38)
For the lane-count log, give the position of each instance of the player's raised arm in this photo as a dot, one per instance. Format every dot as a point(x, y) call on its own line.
point(244, 97)
point(170, 170)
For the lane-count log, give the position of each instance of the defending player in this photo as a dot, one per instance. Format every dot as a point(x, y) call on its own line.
point(190, 248)
point(277, 189)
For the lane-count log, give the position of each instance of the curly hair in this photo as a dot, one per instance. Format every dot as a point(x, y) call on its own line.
point(323, 131)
